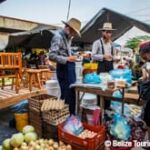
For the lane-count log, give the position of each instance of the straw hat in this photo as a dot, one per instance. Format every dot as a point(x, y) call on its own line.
point(75, 24)
point(107, 26)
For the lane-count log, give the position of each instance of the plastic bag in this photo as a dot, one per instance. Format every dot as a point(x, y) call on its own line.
point(117, 108)
point(21, 107)
point(125, 74)
point(73, 125)
point(91, 78)
point(120, 128)
point(117, 94)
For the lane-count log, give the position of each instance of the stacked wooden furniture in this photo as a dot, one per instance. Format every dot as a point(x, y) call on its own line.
point(10, 67)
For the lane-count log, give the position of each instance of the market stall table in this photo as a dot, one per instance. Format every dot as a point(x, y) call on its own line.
point(98, 90)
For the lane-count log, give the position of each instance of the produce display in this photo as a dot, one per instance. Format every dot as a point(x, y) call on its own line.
point(28, 140)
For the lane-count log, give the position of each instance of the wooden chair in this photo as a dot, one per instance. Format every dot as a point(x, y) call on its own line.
point(10, 67)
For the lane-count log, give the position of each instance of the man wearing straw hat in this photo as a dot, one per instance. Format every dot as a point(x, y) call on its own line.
point(60, 52)
point(103, 52)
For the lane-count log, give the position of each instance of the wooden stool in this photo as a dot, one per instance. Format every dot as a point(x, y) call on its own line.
point(46, 74)
point(31, 74)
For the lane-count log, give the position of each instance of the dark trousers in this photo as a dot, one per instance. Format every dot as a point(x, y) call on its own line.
point(66, 76)
point(104, 66)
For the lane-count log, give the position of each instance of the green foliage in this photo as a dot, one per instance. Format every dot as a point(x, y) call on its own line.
point(134, 42)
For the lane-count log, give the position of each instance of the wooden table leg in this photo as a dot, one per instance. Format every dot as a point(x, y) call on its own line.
point(77, 101)
point(80, 100)
point(102, 108)
point(17, 83)
point(12, 84)
point(30, 81)
point(38, 80)
point(3, 83)
point(123, 101)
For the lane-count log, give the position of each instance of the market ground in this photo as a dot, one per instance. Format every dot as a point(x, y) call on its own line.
point(6, 123)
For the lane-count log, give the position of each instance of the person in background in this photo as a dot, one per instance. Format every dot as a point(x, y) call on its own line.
point(60, 52)
point(145, 83)
point(104, 53)
point(26, 58)
point(33, 61)
point(42, 57)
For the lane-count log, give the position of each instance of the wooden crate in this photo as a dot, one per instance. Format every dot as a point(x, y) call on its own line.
point(50, 131)
point(35, 120)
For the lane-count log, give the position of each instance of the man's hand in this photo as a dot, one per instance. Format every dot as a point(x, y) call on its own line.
point(72, 58)
point(108, 57)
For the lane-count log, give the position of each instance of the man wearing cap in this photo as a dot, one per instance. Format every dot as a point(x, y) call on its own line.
point(145, 84)
point(103, 52)
point(60, 52)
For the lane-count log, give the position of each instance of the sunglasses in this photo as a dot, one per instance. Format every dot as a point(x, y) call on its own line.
point(107, 31)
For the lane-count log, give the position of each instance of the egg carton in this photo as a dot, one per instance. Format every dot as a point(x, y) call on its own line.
point(55, 121)
point(52, 104)
point(36, 102)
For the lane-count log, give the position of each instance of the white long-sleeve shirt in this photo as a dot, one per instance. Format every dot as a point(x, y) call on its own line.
point(97, 53)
